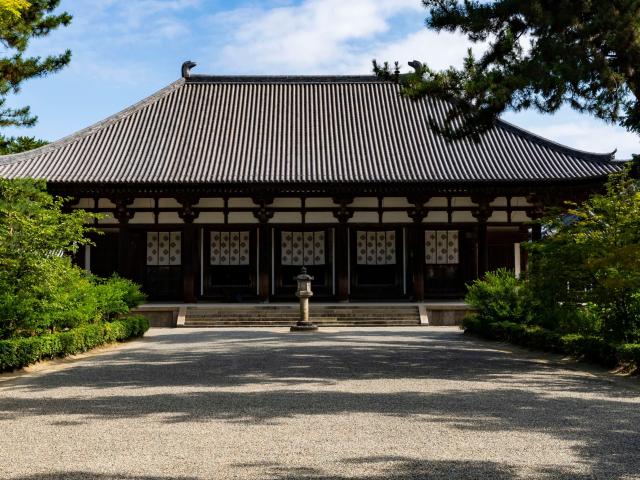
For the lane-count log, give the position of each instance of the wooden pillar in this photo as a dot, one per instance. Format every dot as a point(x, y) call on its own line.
point(264, 214)
point(342, 259)
point(189, 249)
point(343, 214)
point(264, 262)
point(417, 245)
point(482, 213)
point(417, 261)
point(123, 215)
point(483, 248)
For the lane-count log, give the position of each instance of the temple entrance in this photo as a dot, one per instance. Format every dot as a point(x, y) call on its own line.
point(311, 248)
point(163, 265)
point(378, 270)
point(450, 262)
point(229, 264)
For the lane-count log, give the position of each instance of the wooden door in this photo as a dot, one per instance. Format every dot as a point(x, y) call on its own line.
point(377, 260)
point(296, 247)
point(229, 270)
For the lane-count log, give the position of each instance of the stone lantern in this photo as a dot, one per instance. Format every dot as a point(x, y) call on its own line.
point(304, 293)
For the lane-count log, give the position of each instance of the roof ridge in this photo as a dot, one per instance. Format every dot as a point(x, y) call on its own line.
point(64, 141)
point(203, 78)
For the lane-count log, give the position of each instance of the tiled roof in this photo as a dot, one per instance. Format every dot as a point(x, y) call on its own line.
point(294, 129)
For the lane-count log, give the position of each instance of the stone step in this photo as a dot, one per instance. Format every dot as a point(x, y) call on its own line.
point(288, 324)
point(285, 316)
point(290, 321)
point(253, 315)
point(293, 313)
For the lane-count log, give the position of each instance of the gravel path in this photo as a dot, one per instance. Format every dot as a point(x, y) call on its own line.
point(380, 403)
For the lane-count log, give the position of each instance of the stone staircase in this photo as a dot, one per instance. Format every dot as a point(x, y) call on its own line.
point(287, 315)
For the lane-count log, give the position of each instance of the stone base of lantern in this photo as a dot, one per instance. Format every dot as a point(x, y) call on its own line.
point(304, 327)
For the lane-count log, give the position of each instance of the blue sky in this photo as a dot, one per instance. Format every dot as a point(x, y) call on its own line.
point(124, 50)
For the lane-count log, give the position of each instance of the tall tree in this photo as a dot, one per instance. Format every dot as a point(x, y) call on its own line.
point(19, 23)
point(11, 9)
point(539, 54)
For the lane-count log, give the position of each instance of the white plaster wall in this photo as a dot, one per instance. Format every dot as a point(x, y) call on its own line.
point(286, 203)
point(286, 217)
point(241, 202)
point(365, 217)
point(143, 217)
point(320, 217)
point(499, 217)
point(462, 202)
point(242, 217)
point(319, 202)
point(395, 202)
point(396, 217)
point(105, 203)
point(436, 217)
point(168, 203)
point(210, 217)
point(519, 217)
point(211, 203)
point(499, 202)
point(365, 202)
point(437, 202)
point(520, 202)
point(463, 217)
point(143, 203)
point(169, 217)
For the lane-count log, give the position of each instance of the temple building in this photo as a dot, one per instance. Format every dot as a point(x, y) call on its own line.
point(219, 188)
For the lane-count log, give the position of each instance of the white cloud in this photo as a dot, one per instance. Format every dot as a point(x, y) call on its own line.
point(316, 36)
point(438, 50)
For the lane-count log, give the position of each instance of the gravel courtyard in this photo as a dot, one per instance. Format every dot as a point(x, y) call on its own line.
point(350, 403)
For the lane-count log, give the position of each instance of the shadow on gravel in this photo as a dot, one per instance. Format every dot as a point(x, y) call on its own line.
point(511, 393)
point(95, 476)
point(407, 468)
point(401, 468)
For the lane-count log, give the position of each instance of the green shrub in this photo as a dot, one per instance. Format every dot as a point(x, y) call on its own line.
point(499, 297)
point(592, 258)
point(20, 352)
point(471, 324)
point(41, 291)
point(116, 296)
point(584, 347)
point(629, 353)
point(590, 348)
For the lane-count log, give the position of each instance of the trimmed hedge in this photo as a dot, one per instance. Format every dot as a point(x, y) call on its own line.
point(584, 347)
point(20, 352)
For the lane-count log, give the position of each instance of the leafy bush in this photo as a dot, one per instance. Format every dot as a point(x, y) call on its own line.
point(590, 348)
point(20, 352)
point(41, 291)
point(629, 353)
point(591, 258)
point(499, 297)
point(116, 296)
